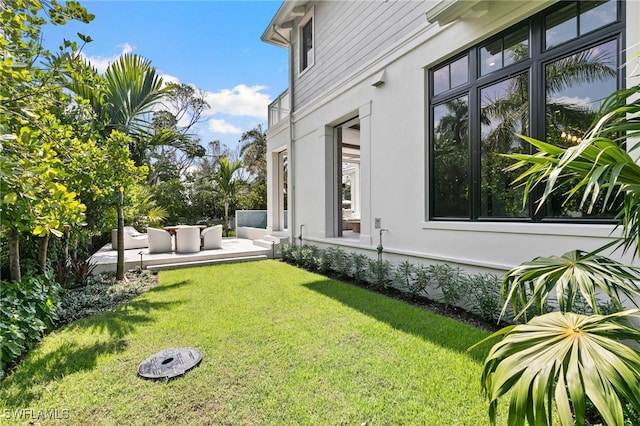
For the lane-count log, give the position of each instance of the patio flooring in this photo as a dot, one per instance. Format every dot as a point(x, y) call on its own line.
point(233, 250)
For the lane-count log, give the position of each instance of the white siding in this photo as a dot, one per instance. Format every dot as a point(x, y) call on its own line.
point(350, 33)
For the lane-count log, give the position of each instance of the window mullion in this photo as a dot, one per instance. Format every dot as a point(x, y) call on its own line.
point(537, 100)
point(474, 136)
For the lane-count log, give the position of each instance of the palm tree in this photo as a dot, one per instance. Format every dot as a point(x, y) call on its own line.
point(253, 150)
point(228, 184)
point(121, 100)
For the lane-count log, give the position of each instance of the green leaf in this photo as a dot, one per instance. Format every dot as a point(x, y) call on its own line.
point(560, 360)
point(14, 348)
point(10, 198)
point(85, 38)
point(40, 231)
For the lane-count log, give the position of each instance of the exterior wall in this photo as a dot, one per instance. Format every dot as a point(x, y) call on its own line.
point(349, 34)
point(250, 233)
point(277, 141)
point(394, 149)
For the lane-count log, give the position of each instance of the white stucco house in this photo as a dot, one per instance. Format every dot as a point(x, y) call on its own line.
point(397, 113)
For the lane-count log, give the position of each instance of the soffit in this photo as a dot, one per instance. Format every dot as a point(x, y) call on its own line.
point(283, 21)
point(447, 11)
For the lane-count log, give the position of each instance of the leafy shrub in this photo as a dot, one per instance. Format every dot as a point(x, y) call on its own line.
point(608, 308)
point(450, 281)
point(379, 274)
point(580, 306)
point(359, 265)
point(306, 256)
point(532, 310)
point(103, 294)
point(286, 252)
point(483, 295)
point(339, 261)
point(404, 275)
point(421, 280)
point(631, 414)
point(27, 309)
point(323, 262)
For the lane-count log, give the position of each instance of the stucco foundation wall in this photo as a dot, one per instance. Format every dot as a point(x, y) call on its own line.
point(396, 151)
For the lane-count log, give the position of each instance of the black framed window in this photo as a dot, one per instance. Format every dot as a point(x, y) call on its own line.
point(306, 45)
point(545, 77)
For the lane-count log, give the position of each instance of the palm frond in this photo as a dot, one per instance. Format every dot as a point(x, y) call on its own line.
point(586, 66)
point(561, 360)
point(572, 275)
point(133, 88)
point(601, 165)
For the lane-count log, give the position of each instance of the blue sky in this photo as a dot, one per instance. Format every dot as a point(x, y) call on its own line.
point(212, 45)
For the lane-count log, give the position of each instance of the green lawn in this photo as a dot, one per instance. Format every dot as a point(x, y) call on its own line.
point(281, 346)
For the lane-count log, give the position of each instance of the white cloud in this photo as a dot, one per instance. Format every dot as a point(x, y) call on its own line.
point(242, 100)
point(220, 126)
point(573, 101)
point(167, 78)
point(102, 62)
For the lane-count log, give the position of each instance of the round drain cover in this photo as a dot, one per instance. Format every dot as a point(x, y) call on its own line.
point(169, 363)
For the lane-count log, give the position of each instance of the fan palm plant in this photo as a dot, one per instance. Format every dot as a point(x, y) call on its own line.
point(561, 359)
point(574, 275)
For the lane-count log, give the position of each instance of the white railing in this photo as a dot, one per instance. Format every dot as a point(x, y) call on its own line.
point(279, 108)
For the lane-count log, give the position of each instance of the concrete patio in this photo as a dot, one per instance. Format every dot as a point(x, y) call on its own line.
point(233, 250)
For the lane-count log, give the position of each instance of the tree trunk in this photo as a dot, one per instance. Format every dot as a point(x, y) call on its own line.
point(74, 254)
point(120, 267)
point(226, 217)
point(14, 255)
point(67, 237)
point(42, 253)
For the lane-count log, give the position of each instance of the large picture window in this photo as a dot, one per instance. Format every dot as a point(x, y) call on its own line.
point(545, 77)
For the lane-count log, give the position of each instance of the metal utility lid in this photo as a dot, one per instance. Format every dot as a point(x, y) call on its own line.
point(170, 363)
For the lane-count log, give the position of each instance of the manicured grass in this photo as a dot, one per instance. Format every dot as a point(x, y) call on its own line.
point(281, 346)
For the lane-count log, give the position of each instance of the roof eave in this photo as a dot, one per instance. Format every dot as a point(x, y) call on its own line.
point(447, 11)
point(288, 11)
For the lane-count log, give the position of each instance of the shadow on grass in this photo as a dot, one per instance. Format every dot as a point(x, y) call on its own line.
point(163, 288)
point(37, 372)
point(443, 331)
point(124, 319)
point(71, 357)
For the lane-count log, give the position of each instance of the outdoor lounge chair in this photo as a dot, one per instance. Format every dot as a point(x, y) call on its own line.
point(188, 239)
point(159, 240)
point(212, 237)
point(132, 239)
